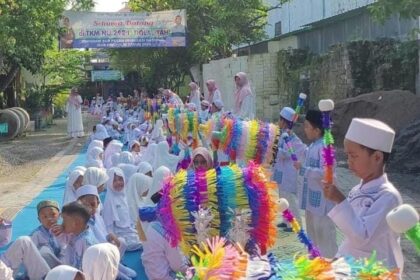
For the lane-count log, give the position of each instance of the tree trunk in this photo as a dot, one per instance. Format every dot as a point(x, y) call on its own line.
point(9, 77)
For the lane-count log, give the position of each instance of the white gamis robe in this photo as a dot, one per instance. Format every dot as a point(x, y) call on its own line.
point(362, 219)
point(75, 122)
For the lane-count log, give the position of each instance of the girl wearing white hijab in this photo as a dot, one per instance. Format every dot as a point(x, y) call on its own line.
point(126, 157)
point(157, 132)
point(115, 159)
point(100, 262)
point(128, 170)
point(95, 143)
point(145, 168)
point(137, 189)
point(135, 149)
point(164, 158)
point(150, 153)
point(159, 176)
point(74, 182)
point(116, 213)
point(96, 177)
point(101, 133)
point(94, 158)
point(113, 147)
point(65, 272)
point(79, 167)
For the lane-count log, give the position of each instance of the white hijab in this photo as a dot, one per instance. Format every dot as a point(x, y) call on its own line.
point(157, 132)
point(94, 159)
point(113, 147)
point(157, 184)
point(115, 209)
point(128, 170)
point(79, 167)
point(145, 167)
point(137, 185)
point(164, 158)
point(95, 176)
point(150, 153)
point(70, 192)
point(101, 133)
point(62, 272)
point(115, 159)
point(95, 143)
point(100, 262)
point(126, 157)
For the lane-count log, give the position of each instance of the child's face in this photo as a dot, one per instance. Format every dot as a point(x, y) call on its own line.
point(136, 148)
point(118, 183)
point(360, 161)
point(48, 216)
point(91, 202)
point(282, 123)
point(200, 162)
point(311, 132)
point(78, 183)
point(70, 223)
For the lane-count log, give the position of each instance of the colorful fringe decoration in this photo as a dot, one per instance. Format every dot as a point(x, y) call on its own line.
point(217, 260)
point(242, 140)
point(328, 150)
point(302, 267)
point(223, 191)
point(303, 238)
point(153, 109)
point(184, 125)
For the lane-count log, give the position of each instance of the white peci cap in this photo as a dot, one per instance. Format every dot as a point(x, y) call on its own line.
point(87, 189)
point(371, 133)
point(287, 113)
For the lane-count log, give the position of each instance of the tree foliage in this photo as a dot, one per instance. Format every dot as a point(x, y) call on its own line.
point(28, 29)
point(383, 9)
point(213, 28)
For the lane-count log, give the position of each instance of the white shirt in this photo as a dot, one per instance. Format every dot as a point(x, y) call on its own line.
point(247, 110)
point(160, 259)
point(362, 219)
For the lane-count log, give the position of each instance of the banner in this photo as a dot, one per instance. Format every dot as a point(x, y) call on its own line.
point(106, 75)
point(123, 30)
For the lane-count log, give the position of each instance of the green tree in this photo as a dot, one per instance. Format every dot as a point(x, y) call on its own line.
point(214, 27)
point(383, 9)
point(28, 30)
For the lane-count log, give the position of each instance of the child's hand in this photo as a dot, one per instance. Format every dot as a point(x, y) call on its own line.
point(57, 230)
point(331, 192)
point(297, 165)
point(113, 239)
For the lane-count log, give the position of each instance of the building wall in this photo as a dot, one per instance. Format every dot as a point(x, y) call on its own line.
point(297, 13)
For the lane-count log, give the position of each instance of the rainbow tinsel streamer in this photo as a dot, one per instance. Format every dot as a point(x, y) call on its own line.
point(326, 107)
point(219, 190)
point(303, 238)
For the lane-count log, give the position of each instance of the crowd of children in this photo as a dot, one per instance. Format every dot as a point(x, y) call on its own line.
point(107, 208)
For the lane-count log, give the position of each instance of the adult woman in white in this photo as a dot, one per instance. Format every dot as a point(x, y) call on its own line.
point(74, 114)
point(214, 92)
point(244, 98)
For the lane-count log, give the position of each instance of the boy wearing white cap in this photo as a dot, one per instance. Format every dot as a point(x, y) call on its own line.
point(362, 216)
point(284, 173)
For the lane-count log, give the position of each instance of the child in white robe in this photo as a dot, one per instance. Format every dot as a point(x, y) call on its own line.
point(97, 177)
point(65, 272)
point(126, 157)
point(145, 168)
point(88, 196)
point(319, 226)
point(74, 235)
point(284, 173)
point(137, 189)
point(160, 260)
point(159, 177)
point(113, 147)
point(44, 240)
point(116, 212)
point(94, 158)
point(165, 158)
point(101, 262)
point(134, 147)
point(74, 182)
point(22, 251)
point(362, 216)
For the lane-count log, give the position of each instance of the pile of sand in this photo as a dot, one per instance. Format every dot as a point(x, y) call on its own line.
point(399, 109)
